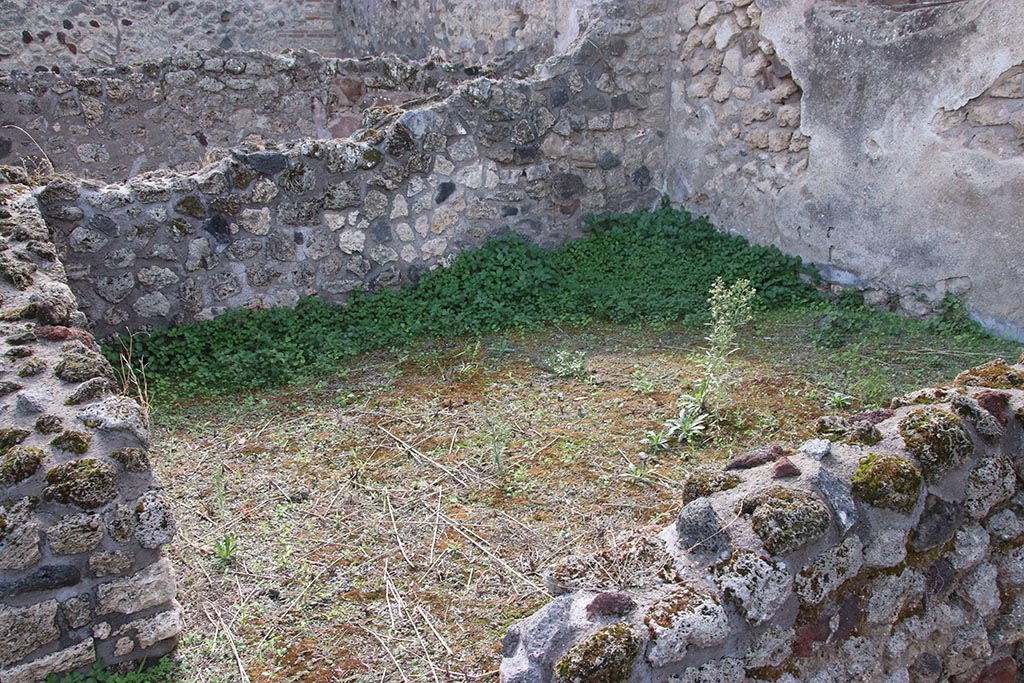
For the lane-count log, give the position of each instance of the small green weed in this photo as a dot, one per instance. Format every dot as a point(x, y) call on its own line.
point(164, 671)
point(225, 550)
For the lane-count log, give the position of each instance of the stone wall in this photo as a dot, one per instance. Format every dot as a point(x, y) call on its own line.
point(81, 517)
point(877, 140)
point(912, 181)
point(47, 33)
point(407, 192)
point(890, 549)
point(512, 34)
point(178, 112)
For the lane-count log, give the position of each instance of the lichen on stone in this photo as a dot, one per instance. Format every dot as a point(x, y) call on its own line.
point(756, 584)
point(832, 425)
point(995, 374)
point(686, 616)
point(11, 437)
point(33, 366)
point(80, 366)
point(88, 483)
point(707, 480)
point(49, 424)
point(887, 481)
point(938, 439)
point(74, 442)
point(20, 463)
point(862, 432)
point(786, 519)
point(985, 423)
point(606, 656)
point(132, 459)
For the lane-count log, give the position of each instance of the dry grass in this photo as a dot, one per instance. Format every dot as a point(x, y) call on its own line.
point(392, 523)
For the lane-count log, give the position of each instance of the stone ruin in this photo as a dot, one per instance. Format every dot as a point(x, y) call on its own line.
point(260, 162)
point(81, 518)
point(889, 550)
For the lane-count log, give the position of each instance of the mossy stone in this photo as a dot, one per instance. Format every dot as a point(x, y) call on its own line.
point(75, 442)
point(20, 463)
point(19, 313)
point(88, 483)
point(18, 273)
point(705, 481)
point(606, 656)
point(996, 374)
point(9, 388)
point(371, 159)
point(887, 481)
point(79, 367)
point(49, 424)
point(863, 432)
point(938, 439)
point(12, 436)
point(786, 519)
point(132, 459)
point(33, 366)
point(191, 205)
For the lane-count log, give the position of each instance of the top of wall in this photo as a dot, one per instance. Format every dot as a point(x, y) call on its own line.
point(42, 35)
point(49, 34)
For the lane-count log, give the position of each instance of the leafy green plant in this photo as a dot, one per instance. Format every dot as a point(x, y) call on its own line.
point(731, 308)
point(638, 267)
point(688, 426)
point(838, 401)
point(164, 671)
point(225, 550)
point(657, 441)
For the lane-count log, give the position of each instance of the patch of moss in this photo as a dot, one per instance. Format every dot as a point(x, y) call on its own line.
point(79, 367)
point(20, 463)
point(9, 388)
point(371, 159)
point(996, 374)
point(11, 437)
point(786, 519)
point(707, 480)
point(87, 483)
point(18, 273)
point(33, 366)
point(863, 432)
point(49, 424)
point(887, 481)
point(938, 439)
point(606, 656)
point(74, 442)
point(19, 313)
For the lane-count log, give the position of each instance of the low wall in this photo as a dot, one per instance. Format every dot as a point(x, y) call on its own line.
point(177, 112)
point(409, 191)
point(81, 517)
point(891, 549)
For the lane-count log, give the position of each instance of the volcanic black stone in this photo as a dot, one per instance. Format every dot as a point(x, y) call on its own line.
point(267, 163)
point(444, 191)
point(42, 579)
point(220, 227)
point(939, 522)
